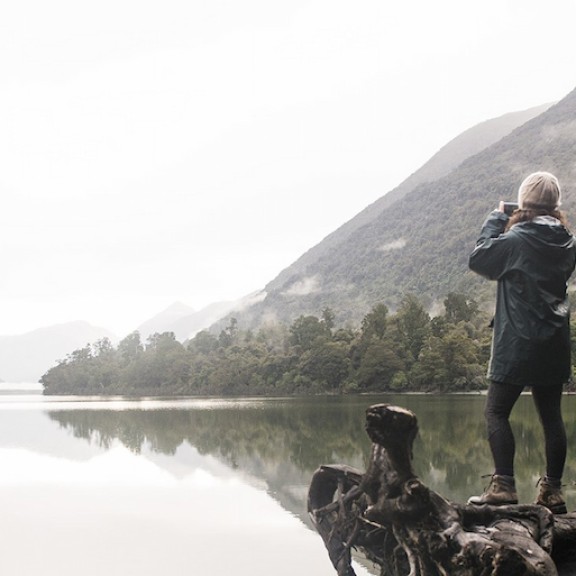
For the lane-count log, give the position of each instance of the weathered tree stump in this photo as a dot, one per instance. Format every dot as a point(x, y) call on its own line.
point(390, 516)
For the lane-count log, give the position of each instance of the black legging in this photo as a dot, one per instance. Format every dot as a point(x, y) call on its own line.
point(547, 399)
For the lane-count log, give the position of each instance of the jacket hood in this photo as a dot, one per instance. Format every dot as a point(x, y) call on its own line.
point(545, 233)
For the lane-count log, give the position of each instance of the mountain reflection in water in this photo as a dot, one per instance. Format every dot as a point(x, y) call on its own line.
point(199, 486)
point(281, 442)
point(145, 488)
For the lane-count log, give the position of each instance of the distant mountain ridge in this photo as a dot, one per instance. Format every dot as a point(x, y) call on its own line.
point(185, 322)
point(25, 357)
point(419, 240)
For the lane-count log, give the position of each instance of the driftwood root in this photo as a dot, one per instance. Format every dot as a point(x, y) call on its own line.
point(390, 516)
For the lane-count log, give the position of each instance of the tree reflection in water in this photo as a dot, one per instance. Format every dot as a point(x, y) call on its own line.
point(282, 442)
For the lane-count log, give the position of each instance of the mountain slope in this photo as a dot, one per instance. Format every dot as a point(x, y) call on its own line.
point(450, 156)
point(420, 244)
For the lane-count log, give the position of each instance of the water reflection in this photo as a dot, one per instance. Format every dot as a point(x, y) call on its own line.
point(282, 442)
point(277, 444)
point(123, 491)
point(188, 486)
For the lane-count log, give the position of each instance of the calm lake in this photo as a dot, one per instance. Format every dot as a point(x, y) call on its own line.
point(214, 487)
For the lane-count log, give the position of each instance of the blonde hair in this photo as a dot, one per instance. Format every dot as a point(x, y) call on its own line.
point(539, 191)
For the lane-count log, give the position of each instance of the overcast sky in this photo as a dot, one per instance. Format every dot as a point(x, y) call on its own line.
point(154, 151)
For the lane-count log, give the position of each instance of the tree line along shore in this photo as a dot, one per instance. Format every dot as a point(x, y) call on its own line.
point(408, 351)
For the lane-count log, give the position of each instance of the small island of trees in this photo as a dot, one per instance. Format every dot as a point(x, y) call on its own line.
point(408, 351)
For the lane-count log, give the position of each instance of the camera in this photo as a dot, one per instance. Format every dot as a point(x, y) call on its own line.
point(510, 207)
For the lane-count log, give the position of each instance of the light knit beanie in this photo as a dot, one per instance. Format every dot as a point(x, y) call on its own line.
point(539, 191)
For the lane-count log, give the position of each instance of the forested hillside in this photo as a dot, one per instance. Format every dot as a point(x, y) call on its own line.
point(450, 156)
point(420, 243)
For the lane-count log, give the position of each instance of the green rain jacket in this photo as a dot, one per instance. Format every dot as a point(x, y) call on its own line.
point(532, 263)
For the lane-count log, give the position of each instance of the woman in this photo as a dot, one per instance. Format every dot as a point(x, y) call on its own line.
point(532, 255)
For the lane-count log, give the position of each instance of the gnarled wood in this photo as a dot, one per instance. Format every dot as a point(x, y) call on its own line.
point(407, 529)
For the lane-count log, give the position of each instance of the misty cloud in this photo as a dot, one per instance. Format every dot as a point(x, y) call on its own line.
point(303, 287)
point(394, 245)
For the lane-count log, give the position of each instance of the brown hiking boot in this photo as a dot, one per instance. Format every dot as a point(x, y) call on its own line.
point(501, 490)
point(551, 497)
